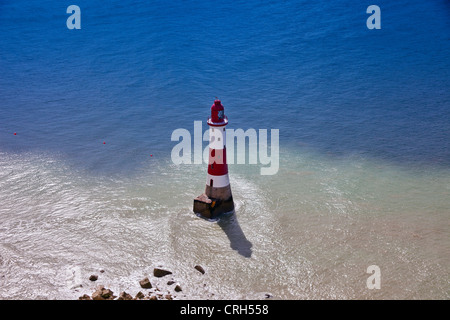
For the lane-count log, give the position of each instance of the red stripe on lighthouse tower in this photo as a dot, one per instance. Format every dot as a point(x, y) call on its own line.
point(218, 190)
point(217, 168)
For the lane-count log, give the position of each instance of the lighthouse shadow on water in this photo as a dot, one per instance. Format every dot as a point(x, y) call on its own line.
point(230, 225)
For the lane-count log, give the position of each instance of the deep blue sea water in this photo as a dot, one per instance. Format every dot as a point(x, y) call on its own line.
point(137, 71)
point(348, 101)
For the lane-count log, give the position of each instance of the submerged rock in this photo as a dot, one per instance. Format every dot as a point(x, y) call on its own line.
point(200, 269)
point(158, 272)
point(103, 294)
point(145, 283)
point(139, 296)
point(85, 297)
point(125, 296)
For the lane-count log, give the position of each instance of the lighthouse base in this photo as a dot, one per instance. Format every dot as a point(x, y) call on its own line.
point(211, 207)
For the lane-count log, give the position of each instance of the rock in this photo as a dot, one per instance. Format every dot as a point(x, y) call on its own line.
point(170, 282)
point(108, 294)
point(178, 288)
point(124, 296)
point(268, 295)
point(139, 296)
point(145, 283)
point(97, 295)
point(200, 269)
point(93, 277)
point(153, 297)
point(101, 270)
point(158, 272)
point(168, 297)
point(85, 297)
point(103, 294)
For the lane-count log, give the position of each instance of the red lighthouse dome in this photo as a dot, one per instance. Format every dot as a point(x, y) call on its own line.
point(218, 117)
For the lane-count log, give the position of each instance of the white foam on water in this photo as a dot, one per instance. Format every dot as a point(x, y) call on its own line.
point(309, 232)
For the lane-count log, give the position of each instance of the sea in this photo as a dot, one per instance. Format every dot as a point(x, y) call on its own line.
point(359, 207)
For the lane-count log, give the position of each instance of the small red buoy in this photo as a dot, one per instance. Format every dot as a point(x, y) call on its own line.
point(104, 142)
point(15, 133)
point(151, 155)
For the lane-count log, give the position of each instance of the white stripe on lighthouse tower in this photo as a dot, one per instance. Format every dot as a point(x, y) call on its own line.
point(217, 181)
point(217, 176)
point(217, 137)
point(217, 142)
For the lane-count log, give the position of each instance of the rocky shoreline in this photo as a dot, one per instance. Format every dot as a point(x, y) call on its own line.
point(172, 291)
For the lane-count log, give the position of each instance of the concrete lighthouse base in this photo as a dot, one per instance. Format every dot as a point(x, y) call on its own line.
point(223, 193)
point(212, 207)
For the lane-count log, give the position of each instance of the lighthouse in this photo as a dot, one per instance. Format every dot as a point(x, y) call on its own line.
point(217, 198)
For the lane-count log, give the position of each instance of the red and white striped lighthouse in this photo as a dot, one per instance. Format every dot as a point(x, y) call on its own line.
point(217, 198)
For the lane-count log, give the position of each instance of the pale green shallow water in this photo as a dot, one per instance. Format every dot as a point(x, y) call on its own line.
point(308, 232)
